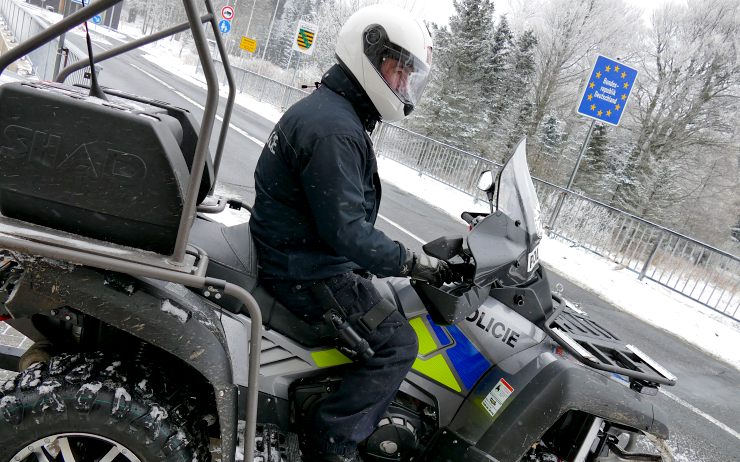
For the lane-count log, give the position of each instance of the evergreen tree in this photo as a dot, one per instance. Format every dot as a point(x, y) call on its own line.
point(547, 148)
point(498, 71)
point(551, 136)
point(513, 105)
point(461, 71)
point(595, 163)
point(435, 112)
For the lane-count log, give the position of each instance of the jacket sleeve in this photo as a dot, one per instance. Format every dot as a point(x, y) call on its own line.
point(333, 184)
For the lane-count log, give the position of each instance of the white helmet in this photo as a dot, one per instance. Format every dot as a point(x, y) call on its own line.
point(390, 55)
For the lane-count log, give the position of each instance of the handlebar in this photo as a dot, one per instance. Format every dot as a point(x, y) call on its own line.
point(472, 218)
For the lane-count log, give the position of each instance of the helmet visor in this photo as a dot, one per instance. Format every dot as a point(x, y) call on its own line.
point(404, 73)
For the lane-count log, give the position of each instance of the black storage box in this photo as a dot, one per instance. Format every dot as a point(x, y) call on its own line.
point(113, 170)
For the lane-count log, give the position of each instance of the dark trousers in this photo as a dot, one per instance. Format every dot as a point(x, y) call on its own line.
point(349, 415)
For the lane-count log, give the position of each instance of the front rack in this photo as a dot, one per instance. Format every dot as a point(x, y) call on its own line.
point(599, 348)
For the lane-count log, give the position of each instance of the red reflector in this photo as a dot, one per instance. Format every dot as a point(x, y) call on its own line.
point(4, 317)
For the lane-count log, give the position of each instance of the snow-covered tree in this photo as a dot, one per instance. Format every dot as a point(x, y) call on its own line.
point(682, 133)
point(513, 103)
point(596, 168)
point(459, 100)
point(569, 35)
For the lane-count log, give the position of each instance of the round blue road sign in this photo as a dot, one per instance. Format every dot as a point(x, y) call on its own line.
point(224, 26)
point(97, 19)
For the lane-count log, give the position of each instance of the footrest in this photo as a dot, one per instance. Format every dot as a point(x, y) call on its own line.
point(273, 445)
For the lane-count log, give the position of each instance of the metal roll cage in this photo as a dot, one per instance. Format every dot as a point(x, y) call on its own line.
point(186, 265)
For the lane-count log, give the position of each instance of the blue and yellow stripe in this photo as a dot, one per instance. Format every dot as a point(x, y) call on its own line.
point(445, 356)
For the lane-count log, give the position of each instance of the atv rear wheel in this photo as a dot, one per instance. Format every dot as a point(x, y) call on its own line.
point(92, 408)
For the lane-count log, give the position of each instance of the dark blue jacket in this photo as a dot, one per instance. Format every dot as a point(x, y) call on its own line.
point(318, 190)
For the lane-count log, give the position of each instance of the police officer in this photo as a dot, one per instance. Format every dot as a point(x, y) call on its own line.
point(317, 199)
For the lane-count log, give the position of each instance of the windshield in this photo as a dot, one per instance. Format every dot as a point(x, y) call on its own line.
point(517, 197)
point(505, 244)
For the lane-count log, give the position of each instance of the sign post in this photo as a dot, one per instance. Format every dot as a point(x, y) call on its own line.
point(604, 99)
point(60, 48)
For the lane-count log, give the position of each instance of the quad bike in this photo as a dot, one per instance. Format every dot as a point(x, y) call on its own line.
point(153, 338)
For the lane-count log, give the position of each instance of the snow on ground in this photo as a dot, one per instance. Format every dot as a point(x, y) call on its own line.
point(646, 300)
point(7, 78)
point(167, 54)
point(52, 18)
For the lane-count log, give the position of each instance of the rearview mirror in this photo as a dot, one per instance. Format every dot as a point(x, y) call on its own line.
point(485, 182)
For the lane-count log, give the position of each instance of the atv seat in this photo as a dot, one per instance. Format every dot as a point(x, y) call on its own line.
point(233, 258)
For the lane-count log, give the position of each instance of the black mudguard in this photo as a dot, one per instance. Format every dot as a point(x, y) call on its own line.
point(187, 326)
point(447, 446)
point(564, 386)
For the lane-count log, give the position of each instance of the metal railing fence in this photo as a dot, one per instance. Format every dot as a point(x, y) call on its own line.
point(699, 271)
point(263, 88)
point(450, 165)
point(24, 25)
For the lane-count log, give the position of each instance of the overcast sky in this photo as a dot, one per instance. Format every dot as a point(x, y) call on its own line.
point(439, 11)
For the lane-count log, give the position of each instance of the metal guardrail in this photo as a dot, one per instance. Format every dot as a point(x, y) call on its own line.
point(24, 25)
point(692, 268)
point(264, 89)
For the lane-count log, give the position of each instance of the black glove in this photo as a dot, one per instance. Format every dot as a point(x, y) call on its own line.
point(422, 267)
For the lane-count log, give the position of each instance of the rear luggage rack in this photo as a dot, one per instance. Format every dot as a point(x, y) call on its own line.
point(599, 348)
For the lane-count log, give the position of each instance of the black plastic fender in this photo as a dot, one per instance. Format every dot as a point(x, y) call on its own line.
point(447, 446)
point(562, 386)
point(163, 314)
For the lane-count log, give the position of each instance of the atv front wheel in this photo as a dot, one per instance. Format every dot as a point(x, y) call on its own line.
point(51, 447)
point(93, 408)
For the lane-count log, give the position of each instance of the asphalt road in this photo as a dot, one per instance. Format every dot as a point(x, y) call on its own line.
point(703, 410)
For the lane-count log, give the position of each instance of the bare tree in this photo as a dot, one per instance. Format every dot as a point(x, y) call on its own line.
point(683, 126)
point(569, 35)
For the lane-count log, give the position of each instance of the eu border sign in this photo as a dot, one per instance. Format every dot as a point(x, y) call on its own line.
point(607, 90)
